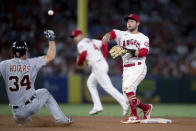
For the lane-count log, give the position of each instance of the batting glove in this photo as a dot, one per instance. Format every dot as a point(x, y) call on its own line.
point(49, 34)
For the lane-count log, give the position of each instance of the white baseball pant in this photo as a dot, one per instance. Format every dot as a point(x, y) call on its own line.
point(99, 75)
point(132, 76)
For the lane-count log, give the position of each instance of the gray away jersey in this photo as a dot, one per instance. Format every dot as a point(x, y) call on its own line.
point(19, 76)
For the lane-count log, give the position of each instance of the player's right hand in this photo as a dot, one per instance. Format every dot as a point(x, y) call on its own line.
point(49, 34)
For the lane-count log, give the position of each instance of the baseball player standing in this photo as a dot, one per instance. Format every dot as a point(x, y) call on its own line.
point(90, 49)
point(133, 46)
point(19, 74)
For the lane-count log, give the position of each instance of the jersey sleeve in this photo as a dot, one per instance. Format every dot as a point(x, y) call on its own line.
point(144, 47)
point(145, 43)
point(117, 37)
point(81, 48)
point(38, 62)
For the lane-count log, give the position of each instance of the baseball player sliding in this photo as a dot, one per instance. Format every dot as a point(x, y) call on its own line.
point(89, 49)
point(19, 75)
point(133, 46)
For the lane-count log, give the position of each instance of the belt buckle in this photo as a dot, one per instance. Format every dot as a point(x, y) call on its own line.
point(27, 102)
point(15, 107)
point(33, 97)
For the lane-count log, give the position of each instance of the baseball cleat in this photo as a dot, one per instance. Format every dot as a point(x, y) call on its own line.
point(147, 113)
point(68, 122)
point(95, 111)
point(132, 119)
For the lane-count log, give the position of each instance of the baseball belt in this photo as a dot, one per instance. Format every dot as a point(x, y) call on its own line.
point(26, 102)
point(132, 64)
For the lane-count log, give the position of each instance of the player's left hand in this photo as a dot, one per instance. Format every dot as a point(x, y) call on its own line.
point(117, 51)
point(50, 35)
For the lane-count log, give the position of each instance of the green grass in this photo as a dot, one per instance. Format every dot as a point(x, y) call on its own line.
point(160, 110)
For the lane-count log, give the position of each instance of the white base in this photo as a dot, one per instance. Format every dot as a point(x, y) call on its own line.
point(156, 120)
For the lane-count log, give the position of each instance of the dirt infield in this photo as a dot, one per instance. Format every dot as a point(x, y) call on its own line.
point(95, 123)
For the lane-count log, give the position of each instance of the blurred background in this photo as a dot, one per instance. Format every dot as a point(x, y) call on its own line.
point(170, 25)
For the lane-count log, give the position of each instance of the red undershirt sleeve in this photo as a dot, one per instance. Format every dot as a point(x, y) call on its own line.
point(112, 35)
point(142, 52)
point(81, 58)
point(104, 50)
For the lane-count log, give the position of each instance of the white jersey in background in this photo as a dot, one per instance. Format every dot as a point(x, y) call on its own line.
point(92, 46)
point(99, 74)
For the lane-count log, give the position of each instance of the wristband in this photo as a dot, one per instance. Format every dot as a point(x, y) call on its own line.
point(131, 51)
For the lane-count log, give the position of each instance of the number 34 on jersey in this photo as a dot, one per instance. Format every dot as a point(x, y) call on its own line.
point(25, 82)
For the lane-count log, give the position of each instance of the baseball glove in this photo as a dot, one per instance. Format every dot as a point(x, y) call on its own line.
point(116, 51)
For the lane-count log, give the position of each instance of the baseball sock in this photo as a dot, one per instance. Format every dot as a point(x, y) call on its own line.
point(132, 102)
point(142, 106)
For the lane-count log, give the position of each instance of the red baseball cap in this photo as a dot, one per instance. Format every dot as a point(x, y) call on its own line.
point(132, 16)
point(75, 33)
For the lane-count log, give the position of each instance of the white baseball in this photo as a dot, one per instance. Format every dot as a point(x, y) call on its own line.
point(50, 12)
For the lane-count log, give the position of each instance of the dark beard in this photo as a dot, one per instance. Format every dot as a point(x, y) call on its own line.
point(131, 30)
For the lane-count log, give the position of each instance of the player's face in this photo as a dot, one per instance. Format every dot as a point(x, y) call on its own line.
point(132, 25)
point(78, 38)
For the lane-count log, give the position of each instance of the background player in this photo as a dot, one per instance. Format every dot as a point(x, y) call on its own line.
point(90, 49)
point(19, 75)
point(135, 46)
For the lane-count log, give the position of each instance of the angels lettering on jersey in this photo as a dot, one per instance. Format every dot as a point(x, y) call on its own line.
point(131, 41)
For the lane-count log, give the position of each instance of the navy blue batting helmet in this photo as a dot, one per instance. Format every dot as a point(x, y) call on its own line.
point(19, 48)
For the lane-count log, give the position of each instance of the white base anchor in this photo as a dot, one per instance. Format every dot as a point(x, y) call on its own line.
point(156, 120)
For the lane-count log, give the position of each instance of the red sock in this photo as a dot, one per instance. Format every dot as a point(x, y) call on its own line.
point(142, 106)
point(132, 102)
